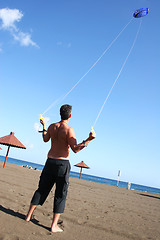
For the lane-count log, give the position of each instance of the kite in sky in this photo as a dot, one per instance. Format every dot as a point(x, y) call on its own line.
point(142, 12)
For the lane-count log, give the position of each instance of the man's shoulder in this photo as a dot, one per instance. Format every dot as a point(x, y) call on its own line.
point(52, 126)
point(70, 130)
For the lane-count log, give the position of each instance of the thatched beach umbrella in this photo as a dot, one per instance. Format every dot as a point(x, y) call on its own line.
point(10, 141)
point(81, 165)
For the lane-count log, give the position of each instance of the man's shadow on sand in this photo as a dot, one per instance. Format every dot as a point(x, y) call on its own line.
point(21, 216)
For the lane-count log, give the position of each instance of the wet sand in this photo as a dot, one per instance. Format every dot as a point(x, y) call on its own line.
point(93, 211)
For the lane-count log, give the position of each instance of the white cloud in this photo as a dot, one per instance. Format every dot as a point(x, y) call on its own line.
point(9, 18)
point(24, 39)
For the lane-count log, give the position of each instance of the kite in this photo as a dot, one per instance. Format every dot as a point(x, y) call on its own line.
point(142, 12)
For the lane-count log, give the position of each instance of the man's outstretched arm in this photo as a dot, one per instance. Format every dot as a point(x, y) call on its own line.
point(73, 142)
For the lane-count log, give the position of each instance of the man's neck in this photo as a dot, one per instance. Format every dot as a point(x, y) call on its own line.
point(65, 121)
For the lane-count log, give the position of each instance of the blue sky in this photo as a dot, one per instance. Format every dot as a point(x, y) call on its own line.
point(47, 46)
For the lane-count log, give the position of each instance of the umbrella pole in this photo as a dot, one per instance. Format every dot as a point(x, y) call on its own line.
point(118, 182)
point(80, 173)
point(6, 157)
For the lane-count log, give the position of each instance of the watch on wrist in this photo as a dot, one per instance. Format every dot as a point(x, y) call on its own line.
point(41, 131)
point(85, 143)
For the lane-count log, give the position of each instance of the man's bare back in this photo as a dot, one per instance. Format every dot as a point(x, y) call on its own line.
point(59, 133)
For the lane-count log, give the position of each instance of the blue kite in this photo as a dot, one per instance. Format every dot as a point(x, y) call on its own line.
point(142, 12)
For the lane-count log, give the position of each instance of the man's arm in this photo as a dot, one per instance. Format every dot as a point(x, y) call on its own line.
point(73, 142)
point(45, 135)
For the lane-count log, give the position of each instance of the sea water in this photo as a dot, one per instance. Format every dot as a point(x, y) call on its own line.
point(87, 177)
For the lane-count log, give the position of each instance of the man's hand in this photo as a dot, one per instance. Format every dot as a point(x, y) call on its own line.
point(92, 135)
point(42, 121)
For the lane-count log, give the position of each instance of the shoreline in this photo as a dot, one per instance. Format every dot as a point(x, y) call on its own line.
point(102, 180)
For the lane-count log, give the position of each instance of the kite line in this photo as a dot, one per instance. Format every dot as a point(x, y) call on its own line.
point(135, 39)
point(62, 98)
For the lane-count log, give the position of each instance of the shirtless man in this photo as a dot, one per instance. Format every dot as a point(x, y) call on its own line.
point(57, 167)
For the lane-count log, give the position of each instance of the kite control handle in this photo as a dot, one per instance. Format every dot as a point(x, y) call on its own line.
point(42, 118)
point(92, 130)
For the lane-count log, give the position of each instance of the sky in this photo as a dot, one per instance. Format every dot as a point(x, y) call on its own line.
point(46, 47)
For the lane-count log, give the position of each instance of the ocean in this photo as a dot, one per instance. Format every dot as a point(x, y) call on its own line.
point(87, 177)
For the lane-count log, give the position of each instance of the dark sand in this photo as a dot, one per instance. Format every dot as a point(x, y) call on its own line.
point(93, 211)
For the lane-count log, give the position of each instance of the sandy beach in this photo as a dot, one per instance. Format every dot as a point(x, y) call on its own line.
point(93, 210)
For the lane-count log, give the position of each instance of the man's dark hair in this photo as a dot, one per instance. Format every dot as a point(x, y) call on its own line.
point(65, 111)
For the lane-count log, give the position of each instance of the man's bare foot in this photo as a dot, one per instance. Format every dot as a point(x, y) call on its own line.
point(55, 229)
point(30, 212)
point(28, 218)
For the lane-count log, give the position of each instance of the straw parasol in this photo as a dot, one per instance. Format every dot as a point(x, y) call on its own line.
point(10, 141)
point(81, 165)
